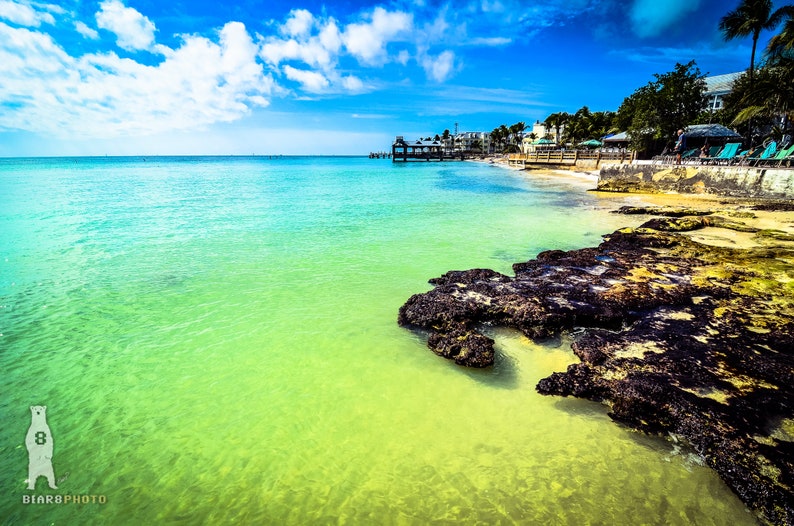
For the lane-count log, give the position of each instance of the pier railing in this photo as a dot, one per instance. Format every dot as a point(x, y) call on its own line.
point(569, 157)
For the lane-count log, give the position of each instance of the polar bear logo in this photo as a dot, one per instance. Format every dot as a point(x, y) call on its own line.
point(39, 444)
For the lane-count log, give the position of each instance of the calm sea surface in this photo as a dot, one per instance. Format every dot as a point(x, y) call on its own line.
point(215, 340)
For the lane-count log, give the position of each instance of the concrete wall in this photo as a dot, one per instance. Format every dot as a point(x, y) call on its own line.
point(776, 183)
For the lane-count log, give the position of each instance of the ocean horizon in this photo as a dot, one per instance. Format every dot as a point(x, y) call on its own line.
point(215, 340)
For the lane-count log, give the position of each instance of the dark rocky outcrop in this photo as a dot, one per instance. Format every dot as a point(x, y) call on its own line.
point(676, 338)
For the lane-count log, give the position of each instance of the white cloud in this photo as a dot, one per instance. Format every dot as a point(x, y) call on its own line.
point(367, 40)
point(311, 81)
point(353, 84)
point(441, 67)
point(298, 24)
point(133, 30)
point(648, 20)
point(319, 50)
point(489, 41)
point(101, 95)
point(86, 31)
point(23, 14)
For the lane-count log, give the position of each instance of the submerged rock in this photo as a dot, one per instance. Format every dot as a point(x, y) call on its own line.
point(678, 338)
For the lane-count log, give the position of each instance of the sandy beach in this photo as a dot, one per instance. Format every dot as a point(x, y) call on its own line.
point(770, 219)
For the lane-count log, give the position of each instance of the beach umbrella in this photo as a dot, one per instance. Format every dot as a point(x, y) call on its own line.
point(542, 141)
point(592, 143)
point(711, 131)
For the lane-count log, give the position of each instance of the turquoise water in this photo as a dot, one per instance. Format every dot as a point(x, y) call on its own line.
point(215, 340)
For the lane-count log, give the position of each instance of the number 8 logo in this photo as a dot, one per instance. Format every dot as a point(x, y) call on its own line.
point(41, 438)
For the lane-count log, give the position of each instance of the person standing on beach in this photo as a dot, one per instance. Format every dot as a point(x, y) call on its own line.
point(680, 146)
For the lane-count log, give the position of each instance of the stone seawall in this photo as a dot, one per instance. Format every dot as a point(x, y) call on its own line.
point(738, 181)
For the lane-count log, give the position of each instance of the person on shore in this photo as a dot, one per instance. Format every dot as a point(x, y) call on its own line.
point(680, 146)
point(704, 150)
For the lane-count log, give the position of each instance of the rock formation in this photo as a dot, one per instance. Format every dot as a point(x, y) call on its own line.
point(676, 337)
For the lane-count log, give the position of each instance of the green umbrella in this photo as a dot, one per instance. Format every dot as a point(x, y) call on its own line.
point(592, 143)
point(542, 141)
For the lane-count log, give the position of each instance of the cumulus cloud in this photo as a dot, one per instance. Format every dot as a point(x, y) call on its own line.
point(648, 20)
point(439, 68)
point(367, 40)
point(23, 14)
point(307, 49)
point(133, 30)
point(298, 24)
point(311, 81)
point(201, 82)
point(221, 77)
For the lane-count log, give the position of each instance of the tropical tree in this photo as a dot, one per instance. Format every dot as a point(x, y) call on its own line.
point(782, 44)
point(579, 125)
point(557, 121)
point(749, 19)
point(655, 111)
point(496, 140)
point(517, 133)
point(769, 98)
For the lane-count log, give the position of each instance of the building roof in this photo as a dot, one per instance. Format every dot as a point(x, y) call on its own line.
point(721, 84)
point(400, 140)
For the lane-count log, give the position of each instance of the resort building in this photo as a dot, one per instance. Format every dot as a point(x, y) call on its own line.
point(472, 141)
point(542, 131)
point(717, 87)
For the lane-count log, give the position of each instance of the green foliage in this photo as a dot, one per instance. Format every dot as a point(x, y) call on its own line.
point(655, 111)
point(749, 19)
point(766, 97)
point(556, 121)
point(782, 44)
point(585, 124)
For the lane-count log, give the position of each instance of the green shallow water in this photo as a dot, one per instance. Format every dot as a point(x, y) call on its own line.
point(216, 342)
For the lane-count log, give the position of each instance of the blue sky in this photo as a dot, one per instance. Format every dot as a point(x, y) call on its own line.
point(147, 77)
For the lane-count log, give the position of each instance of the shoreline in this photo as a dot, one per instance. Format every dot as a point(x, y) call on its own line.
point(781, 219)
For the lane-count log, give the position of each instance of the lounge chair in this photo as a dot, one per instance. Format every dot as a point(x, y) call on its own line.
point(749, 156)
point(768, 152)
point(726, 155)
point(779, 158)
point(713, 151)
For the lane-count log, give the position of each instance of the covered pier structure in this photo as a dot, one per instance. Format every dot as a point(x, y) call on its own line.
point(420, 150)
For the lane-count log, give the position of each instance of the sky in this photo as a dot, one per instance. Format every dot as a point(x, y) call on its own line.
point(307, 77)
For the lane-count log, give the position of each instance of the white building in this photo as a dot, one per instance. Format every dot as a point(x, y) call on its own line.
point(542, 131)
point(466, 141)
point(717, 87)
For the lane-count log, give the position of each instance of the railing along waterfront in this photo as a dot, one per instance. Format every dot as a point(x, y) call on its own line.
point(569, 157)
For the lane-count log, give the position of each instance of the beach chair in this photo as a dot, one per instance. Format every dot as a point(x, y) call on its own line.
point(726, 155)
point(779, 158)
point(768, 152)
point(713, 151)
point(749, 156)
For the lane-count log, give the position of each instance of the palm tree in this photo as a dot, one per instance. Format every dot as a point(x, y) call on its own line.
point(517, 133)
point(749, 19)
point(496, 138)
point(783, 43)
point(557, 121)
